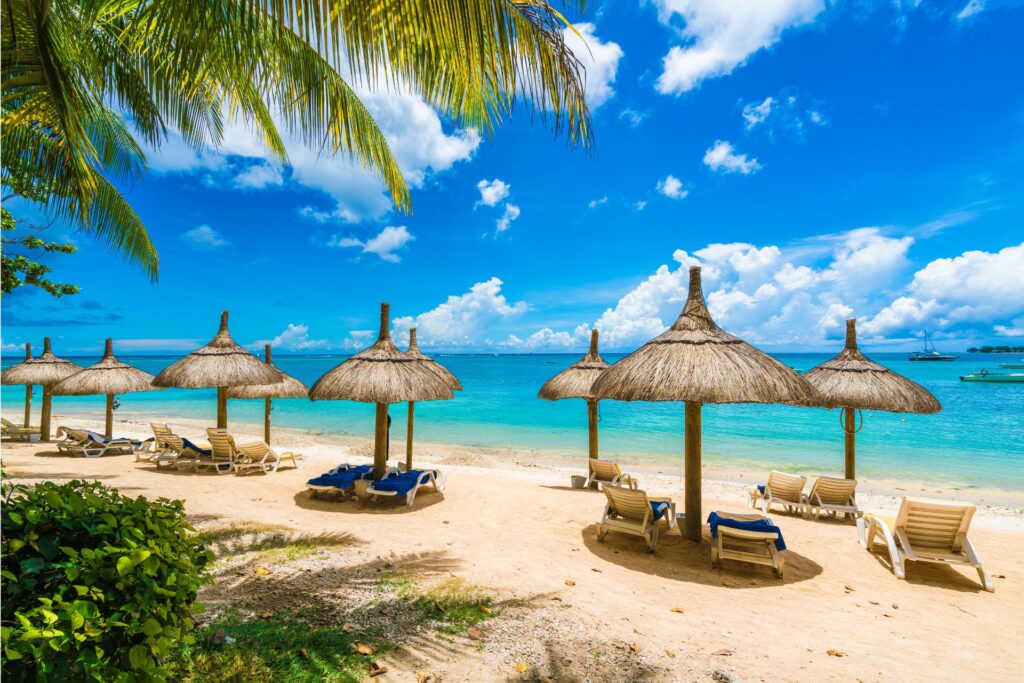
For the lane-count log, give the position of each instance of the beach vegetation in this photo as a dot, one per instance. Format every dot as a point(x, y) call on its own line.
point(22, 248)
point(87, 86)
point(454, 605)
point(270, 542)
point(1002, 348)
point(96, 585)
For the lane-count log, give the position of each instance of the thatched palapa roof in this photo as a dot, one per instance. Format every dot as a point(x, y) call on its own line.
point(288, 387)
point(441, 371)
point(381, 374)
point(109, 376)
point(850, 380)
point(221, 363)
point(696, 361)
point(578, 379)
point(46, 370)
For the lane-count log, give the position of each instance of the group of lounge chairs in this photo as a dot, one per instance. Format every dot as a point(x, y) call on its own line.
point(923, 530)
point(397, 482)
point(18, 432)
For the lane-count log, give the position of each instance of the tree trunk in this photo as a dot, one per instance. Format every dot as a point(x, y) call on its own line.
point(592, 427)
point(109, 427)
point(408, 437)
point(44, 419)
point(380, 442)
point(28, 405)
point(692, 471)
point(851, 442)
point(222, 408)
point(266, 421)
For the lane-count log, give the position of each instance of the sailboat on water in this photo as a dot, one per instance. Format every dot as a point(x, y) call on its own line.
point(929, 352)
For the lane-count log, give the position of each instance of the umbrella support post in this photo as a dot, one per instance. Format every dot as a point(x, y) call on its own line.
point(44, 419)
point(851, 443)
point(592, 427)
point(380, 442)
point(28, 405)
point(109, 425)
point(408, 437)
point(266, 421)
point(692, 472)
point(222, 408)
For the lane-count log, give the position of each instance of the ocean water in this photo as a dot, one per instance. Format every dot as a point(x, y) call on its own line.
point(976, 441)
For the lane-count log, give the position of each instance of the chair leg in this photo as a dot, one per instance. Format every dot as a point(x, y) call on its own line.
point(972, 554)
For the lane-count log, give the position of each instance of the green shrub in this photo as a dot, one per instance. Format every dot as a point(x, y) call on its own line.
point(96, 585)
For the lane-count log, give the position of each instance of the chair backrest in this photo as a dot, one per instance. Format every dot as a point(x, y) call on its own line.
point(935, 524)
point(832, 491)
point(160, 433)
point(75, 434)
point(604, 470)
point(222, 444)
point(7, 423)
point(628, 503)
point(174, 443)
point(255, 450)
point(786, 486)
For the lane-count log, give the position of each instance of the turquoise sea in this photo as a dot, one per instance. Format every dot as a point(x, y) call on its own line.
point(977, 439)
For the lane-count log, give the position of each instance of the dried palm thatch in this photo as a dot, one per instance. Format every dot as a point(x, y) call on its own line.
point(381, 374)
point(46, 370)
point(442, 372)
point(852, 382)
point(577, 381)
point(288, 387)
point(696, 362)
point(109, 376)
point(222, 363)
point(28, 387)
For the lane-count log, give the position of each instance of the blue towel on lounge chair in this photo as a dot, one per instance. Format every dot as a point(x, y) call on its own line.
point(715, 520)
point(342, 480)
point(192, 447)
point(659, 507)
point(102, 440)
point(761, 488)
point(400, 484)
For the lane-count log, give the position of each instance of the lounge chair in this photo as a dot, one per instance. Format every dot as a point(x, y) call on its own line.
point(782, 489)
point(749, 538)
point(607, 472)
point(259, 457)
point(340, 479)
point(180, 453)
point(833, 496)
point(93, 445)
point(154, 447)
point(632, 512)
point(223, 452)
point(926, 531)
point(13, 431)
point(406, 484)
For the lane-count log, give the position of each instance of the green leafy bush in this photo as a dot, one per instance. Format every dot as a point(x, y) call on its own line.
point(96, 585)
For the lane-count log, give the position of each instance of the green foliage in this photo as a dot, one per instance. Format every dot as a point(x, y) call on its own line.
point(282, 649)
point(454, 606)
point(21, 269)
point(96, 585)
point(996, 349)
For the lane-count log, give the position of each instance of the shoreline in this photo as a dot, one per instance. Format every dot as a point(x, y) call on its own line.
point(997, 508)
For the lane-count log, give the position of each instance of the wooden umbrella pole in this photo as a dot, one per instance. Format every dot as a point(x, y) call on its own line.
point(44, 418)
point(592, 426)
point(692, 472)
point(408, 437)
point(380, 442)
point(109, 427)
point(28, 390)
point(850, 429)
point(222, 408)
point(266, 420)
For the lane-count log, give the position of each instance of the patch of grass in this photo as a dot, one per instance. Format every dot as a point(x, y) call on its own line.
point(454, 605)
point(395, 581)
point(219, 534)
point(283, 649)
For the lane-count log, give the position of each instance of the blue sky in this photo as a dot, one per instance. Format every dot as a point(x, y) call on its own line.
point(820, 160)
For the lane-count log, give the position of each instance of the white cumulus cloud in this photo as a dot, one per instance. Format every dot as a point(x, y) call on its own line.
point(599, 59)
point(294, 338)
point(461, 320)
point(493, 191)
point(505, 221)
point(384, 244)
point(722, 158)
point(672, 187)
point(203, 237)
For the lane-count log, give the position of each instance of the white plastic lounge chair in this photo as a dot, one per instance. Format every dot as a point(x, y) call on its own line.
point(13, 431)
point(607, 472)
point(81, 442)
point(180, 453)
point(926, 531)
point(632, 512)
point(746, 545)
point(833, 496)
point(152, 449)
point(406, 484)
point(223, 452)
point(259, 457)
point(72, 438)
point(782, 489)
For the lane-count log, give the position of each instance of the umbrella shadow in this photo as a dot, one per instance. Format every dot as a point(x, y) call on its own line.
point(932, 574)
point(678, 559)
point(352, 506)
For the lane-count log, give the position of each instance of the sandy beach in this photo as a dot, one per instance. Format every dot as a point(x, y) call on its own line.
point(571, 608)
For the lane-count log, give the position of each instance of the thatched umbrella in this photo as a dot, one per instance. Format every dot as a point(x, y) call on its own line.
point(109, 376)
point(28, 387)
point(577, 381)
point(383, 375)
point(288, 387)
point(441, 371)
point(46, 370)
point(696, 362)
point(222, 363)
point(852, 382)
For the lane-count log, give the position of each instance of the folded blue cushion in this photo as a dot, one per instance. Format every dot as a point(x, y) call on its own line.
point(342, 480)
point(763, 525)
point(400, 484)
point(192, 447)
point(659, 507)
point(102, 440)
point(761, 488)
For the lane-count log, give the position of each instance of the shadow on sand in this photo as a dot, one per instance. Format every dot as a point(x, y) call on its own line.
point(931, 574)
point(383, 506)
